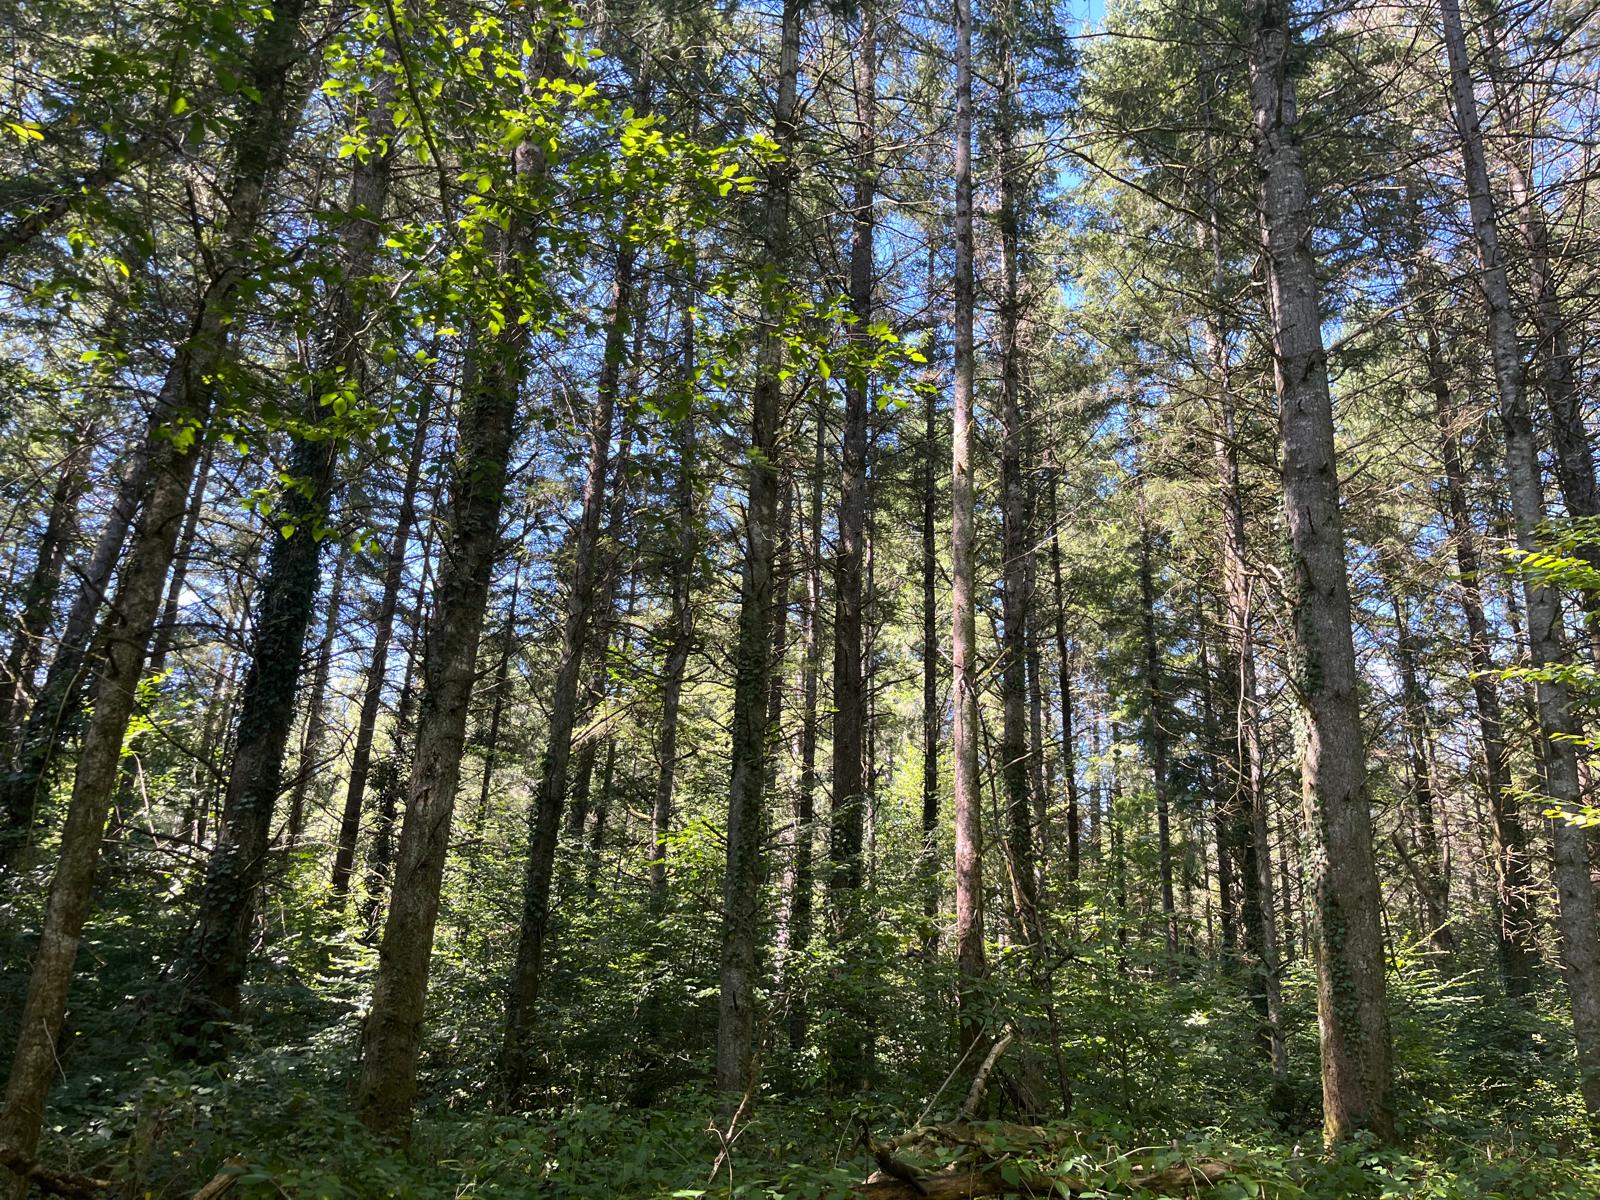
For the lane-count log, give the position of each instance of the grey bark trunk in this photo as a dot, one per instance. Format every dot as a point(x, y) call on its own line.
point(1357, 1062)
point(385, 1081)
point(1580, 951)
point(344, 855)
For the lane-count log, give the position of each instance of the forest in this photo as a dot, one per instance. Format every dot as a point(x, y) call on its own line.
point(834, 599)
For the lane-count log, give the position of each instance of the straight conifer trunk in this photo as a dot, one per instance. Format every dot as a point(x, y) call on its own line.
point(741, 899)
point(681, 641)
point(1514, 933)
point(968, 800)
point(1357, 1063)
point(1580, 951)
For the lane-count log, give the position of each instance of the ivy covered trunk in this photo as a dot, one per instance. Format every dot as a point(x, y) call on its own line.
point(257, 149)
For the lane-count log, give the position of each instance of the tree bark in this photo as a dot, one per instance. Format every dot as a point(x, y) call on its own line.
point(741, 898)
point(344, 855)
point(385, 1082)
point(311, 765)
point(1156, 734)
point(1014, 518)
point(39, 595)
point(1514, 932)
point(1069, 754)
point(215, 959)
point(1580, 951)
point(846, 814)
point(1357, 1063)
point(1434, 884)
point(585, 599)
point(58, 710)
point(968, 799)
point(256, 150)
point(682, 636)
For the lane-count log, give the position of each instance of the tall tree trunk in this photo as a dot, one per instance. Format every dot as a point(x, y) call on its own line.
point(681, 641)
point(1014, 514)
point(968, 800)
point(502, 675)
point(344, 855)
point(215, 958)
point(389, 785)
point(1580, 951)
point(1224, 817)
point(588, 596)
point(1069, 763)
point(804, 882)
point(846, 823)
point(1156, 732)
point(741, 899)
point(1514, 932)
point(1432, 883)
point(932, 715)
point(39, 595)
point(1357, 1057)
point(166, 635)
point(311, 765)
point(391, 1039)
point(58, 710)
point(256, 152)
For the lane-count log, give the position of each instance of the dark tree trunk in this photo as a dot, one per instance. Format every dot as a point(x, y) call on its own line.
point(804, 881)
point(215, 958)
point(311, 766)
point(846, 816)
point(1069, 763)
point(1433, 885)
point(932, 716)
point(167, 628)
point(386, 1078)
point(58, 711)
point(681, 640)
point(588, 596)
point(752, 660)
point(1156, 734)
point(39, 595)
point(1514, 933)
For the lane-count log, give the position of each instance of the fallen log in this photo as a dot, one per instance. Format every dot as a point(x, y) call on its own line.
point(968, 1182)
point(68, 1184)
point(227, 1175)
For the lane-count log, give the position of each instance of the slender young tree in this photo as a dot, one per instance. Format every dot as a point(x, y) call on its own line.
point(968, 801)
point(394, 570)
point(385, 1082)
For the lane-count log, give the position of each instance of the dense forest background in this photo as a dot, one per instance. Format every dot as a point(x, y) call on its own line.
point(814, 598)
